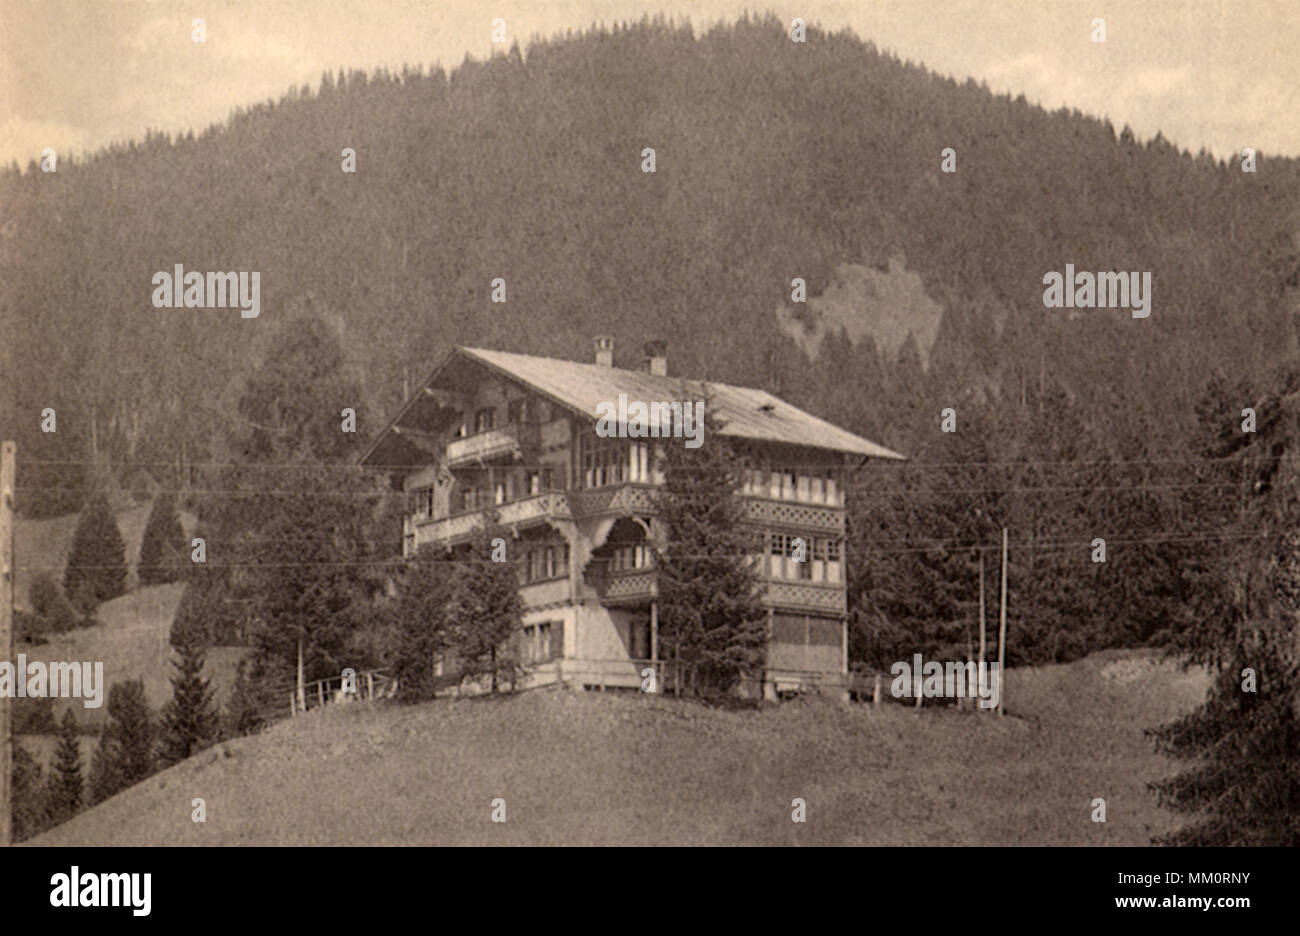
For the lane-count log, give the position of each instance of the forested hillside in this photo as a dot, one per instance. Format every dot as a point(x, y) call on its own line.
point(774, 160)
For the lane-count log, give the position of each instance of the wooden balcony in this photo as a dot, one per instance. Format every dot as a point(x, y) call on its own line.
point(786, 515)
point(628, 587)
point(483, 445)
point(806, 596)
point(527, 512)
point(627, 499)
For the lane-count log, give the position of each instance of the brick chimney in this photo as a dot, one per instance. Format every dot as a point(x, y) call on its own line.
point(656, 358)
point(605, 351)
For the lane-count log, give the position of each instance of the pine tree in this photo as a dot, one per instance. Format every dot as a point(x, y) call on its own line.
point(105, 779)
point(421, 625)
point(1243, 785)
point(710, 603)
point(30, 810)
point(96, 569)
point(163, 546)
point(487, 612)
point(65, 784)
point(54, 611)
point(125, 753)
point(242, 713)
point(189, 721)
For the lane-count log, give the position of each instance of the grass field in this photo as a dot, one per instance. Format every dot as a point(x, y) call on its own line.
point(579, 768)
point(131, 639)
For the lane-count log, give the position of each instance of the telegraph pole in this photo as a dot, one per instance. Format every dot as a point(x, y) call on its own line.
point(7, 450)
point(1002, 631)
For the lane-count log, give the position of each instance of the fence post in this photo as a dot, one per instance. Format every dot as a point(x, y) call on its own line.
point(875, 692)
point(320, 692)
point(370, 685)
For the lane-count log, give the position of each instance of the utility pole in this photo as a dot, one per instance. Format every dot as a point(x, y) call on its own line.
point(980, 671)
point(7, 450)
point(302, 693)
point(1002, 630)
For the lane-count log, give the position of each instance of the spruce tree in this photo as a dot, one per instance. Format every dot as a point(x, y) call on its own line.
point(163, 546)
point(710, 603)
point(125, 753)
point(54, 612)
point(1242, 783)
point(105, 779)
point(189, 720)
point(30, 810)
point(96, 569)
point(242, 715)
point(421, 627)
point(64, 795)
point(487, 611)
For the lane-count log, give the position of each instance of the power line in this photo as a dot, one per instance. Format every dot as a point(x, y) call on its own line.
point(394, 560)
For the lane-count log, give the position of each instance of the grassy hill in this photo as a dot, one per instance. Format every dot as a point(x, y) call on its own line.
point(131, 639)
point(43, 545)
point(579, 768)
point(132, 643)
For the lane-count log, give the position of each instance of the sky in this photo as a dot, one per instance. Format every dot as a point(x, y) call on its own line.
point(76, 75)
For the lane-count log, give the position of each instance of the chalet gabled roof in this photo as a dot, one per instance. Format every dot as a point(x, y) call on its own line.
point(746, 412)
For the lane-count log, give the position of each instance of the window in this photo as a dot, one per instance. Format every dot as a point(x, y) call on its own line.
point(819, 560)
point(605, 461)
point(833, 553)
point(499, 493)
point(424, 502)
point(517, 411)
point(534, 484)
point(639, 462)
point(483, 419)
point(541, 642)
point(543, 562)
point(800, 569)
point(777, 563)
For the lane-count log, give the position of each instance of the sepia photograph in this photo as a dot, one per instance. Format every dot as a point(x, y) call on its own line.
point(626, 423)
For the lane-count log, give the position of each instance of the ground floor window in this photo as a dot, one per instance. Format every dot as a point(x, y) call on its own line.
point(542, 642)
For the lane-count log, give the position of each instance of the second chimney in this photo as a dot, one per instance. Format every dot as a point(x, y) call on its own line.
point(605, 351)
point(656, 358)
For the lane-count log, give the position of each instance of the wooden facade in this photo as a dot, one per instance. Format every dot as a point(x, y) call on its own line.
point(516, 434)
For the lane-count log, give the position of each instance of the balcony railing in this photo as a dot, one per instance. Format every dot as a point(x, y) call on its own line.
point(539, 507)
point(627, 498)
point(483, 445)
point(783, 514)
point(627, 586)
point(803, 596)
